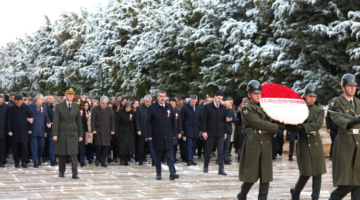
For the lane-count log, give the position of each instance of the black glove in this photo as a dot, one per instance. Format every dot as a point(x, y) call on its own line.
point(281, 126)
point(290, 128)
point(300, 127)
point(353, 123)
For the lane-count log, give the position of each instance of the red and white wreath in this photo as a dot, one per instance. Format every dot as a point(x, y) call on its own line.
point(283, 105)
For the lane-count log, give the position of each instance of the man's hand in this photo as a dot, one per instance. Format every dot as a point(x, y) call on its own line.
point(139, 132)
point(179, 135)
point(45, 134)
point(29, 132)
point(225, 136)
point(30, 120)
point(150, 138)
point(228, 119)
point(274, 135)
point(112, 132)
point(10, 134)
point(94, 132)
point(328, 131)
point(205, 136)
point(55, 138)
point(49, 125)
point(80, 139)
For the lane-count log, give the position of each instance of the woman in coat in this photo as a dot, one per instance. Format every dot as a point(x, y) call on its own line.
point(82, 151)
point(125, 125)
point(89, 135)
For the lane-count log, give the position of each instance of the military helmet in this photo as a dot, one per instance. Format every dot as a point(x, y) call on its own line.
point(348, 79)
point(254, 86)
point(311, 89)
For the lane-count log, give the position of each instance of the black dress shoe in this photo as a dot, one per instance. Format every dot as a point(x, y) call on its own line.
point(97, 162)
point(54, 163)
point(61, 174)
point(140, 163)
point(189, 163)
point(315, 198)
point(193, 163)
point(173, 177)
point(24, 165)
point(110, 160)
point(206, 170)
point(290, 159)
point(239, 197)
point(222, 172)
point(103, 165)
point(39, 163)
point(293, 195)
point(227, 163)
point(17, 165)
point(2, 165)
point(126, 163)
point(91, 161)
point(82, 164)
point(122, 163)
point(75, 176)
point(158, 177)
point(36, 165)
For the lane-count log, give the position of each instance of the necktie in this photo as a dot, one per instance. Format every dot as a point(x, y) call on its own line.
point(69, 107)
point(217, 106)
point(352, 103)
point(194, 108)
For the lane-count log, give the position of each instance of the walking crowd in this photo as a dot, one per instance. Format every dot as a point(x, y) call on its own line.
point(72, 129)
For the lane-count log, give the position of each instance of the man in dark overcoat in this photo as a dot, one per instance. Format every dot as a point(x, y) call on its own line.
point(214, 130)
point(161, 130)
point(103, 127)
point(19, 126)
point(50, 109)
point(3, 132)
point(141, 117)
point(67, 132)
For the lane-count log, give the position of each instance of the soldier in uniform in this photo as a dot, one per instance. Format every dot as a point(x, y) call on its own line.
point(309, 148)
point(256, 155)
point(346, 153)
point(67, 132)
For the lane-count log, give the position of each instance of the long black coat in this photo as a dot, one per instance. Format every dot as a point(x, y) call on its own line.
point(50, 111)
point(82, 145)
point(67, 126)
point(161, 126)
point(17, 123)
point(3, 121)
point(126, 125)
point(214, 120)
point(178, 124)
point(103, 123)
point(191, 121)
point(141, 117)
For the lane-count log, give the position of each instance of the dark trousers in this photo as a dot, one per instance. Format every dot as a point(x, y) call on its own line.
point(2, 150)
point(81, 156)
point(200, 147)
point(101, 153)
point(280, 141)
point(210, 142)
point(51, 150)
point(90, 151)
point(190, 148)
point(183, 153)
point(62, 163)
point(227, 148)
point(20, 150)
point(170, 161)
point(302, 182)
point(291, 149)
point(140, 149)
point(46, 149)
point(175, 151)
point(114, 148)
point(151, 149)
point(37, 148)
point(274, 144)
point(341, 191)
point(333, 135)
point(263, 189)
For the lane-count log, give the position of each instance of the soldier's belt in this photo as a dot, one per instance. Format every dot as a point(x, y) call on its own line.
point(312, 132)
point(259, 131)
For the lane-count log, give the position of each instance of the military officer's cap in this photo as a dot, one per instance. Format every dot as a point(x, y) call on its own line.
point(69, 90)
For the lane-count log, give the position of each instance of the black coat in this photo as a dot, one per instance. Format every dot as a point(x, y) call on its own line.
point(214, 120)
point(240, 133)
point(191, 121)
point(82, 145)
point(161, 126)
point(178, 125)
point(50, 111)
point(17, 123)
point(126, 126)
point(103, 123)
point(3, 121)
point(141, 117)
point(330, 125)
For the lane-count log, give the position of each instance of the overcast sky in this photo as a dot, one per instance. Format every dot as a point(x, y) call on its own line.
point(18, 17)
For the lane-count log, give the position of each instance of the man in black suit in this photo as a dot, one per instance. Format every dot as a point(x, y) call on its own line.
point(141, 117)
point(3, 134)
point(51, 109)
point(214, 130)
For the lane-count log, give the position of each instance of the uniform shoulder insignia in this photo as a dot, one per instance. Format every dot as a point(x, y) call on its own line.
point(334, 103)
